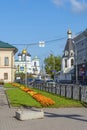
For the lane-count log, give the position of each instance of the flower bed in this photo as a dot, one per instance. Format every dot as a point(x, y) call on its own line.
point(44, 101)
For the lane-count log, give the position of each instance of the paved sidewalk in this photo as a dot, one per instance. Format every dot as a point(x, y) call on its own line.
point(54, 119)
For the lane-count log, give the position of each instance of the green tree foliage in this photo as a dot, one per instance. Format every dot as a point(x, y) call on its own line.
point(52, 64)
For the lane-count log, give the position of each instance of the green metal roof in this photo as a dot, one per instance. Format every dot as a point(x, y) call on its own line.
point(7, 45)
point(35, 58)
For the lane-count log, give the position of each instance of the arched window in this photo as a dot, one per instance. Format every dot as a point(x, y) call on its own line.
point(65, 63)
point(71, 53)
point(72, 62)
point(66, 53)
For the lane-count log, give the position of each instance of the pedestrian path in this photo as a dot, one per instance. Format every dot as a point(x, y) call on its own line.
point(3, 99)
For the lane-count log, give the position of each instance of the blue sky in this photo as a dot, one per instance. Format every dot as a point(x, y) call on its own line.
point(31, 21)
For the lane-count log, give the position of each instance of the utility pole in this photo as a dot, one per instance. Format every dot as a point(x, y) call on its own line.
point(76, 62)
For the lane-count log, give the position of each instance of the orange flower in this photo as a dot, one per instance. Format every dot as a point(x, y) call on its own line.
point(45, 101)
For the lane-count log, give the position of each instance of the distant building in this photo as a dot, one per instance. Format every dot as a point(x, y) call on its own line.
point(74, 60)
point(7, 69)
point(25, 64)
point(67, 65)
point(80, 42)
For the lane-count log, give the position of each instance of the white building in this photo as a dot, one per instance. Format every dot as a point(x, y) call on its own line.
point(25, 64)
point(67, 65)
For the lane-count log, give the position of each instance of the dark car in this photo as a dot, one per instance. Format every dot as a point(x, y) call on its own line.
point(38, 81)
point(30, 81)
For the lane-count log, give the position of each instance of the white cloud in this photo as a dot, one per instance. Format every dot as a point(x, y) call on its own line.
point(58, 2)
point(76, 5)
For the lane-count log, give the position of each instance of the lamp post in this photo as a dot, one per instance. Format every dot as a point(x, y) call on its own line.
point(76, 66)
point(53, 62)
point(26, 67)
point(41, 44)
point(75, 55)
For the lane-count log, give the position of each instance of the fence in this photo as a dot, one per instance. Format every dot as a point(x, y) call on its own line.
point(72, 91)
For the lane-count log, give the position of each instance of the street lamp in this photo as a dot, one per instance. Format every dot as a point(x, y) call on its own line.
point(25, 52)
point(53, 62)
point(75, 55)
point(41, 44)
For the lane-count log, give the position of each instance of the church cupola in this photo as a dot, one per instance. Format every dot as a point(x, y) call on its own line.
point(69, 47)
point(25, 55)
point(24, 51)
point(68, 56)
point(69, 34)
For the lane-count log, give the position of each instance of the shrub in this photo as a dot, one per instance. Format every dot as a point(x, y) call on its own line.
point(1, 82)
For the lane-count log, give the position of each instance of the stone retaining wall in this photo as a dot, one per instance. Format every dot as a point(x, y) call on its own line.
point(73, 91)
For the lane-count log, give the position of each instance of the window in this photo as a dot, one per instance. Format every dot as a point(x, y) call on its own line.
point(6, 61)
point(21, 68)
point(65, 63)
point(35, 64)
point(66, 53)
point(71, 53)
point(24, 57)
point(72, 62)
point(5, 76)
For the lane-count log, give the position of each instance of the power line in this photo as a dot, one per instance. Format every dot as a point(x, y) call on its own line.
point(54, 40)
point(48, 41)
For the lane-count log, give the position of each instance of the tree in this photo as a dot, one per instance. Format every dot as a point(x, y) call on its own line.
point(52, 64)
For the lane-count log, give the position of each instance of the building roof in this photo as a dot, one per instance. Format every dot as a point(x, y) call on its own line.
point(69, 45)
point(28, 54)
point(80, 36)
point(35, 58)
point(7, 45)
point(19, 54)
point(24, 51)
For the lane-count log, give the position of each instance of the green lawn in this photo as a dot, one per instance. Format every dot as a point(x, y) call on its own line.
point(19, 98)
point(7, 85)
point(61, 101)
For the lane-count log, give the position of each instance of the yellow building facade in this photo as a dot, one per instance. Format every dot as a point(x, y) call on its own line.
point(7, 69)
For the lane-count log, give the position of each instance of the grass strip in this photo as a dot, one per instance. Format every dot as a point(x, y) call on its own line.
point(61, 101)
point(19, 98)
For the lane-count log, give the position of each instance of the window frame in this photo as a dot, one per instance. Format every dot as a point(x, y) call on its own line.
point(6, 61)
point(5, 76)
point(65, 63)
point(72, 62)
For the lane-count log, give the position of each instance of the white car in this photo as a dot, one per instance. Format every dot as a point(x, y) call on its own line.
point(50, 83)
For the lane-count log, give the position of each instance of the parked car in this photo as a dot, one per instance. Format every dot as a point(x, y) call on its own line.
point(50, 82)
point(38, 81)
point(30, 81)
